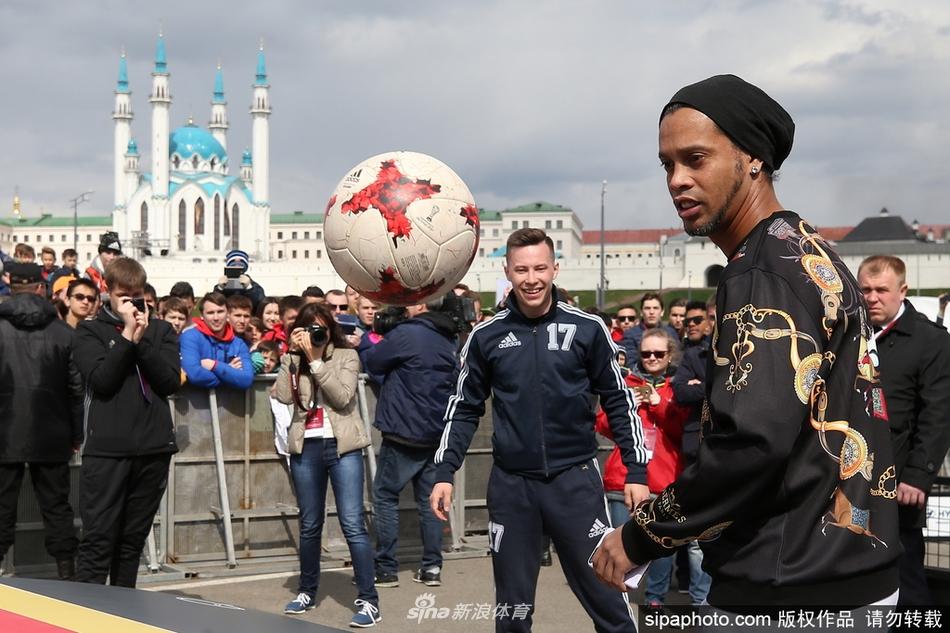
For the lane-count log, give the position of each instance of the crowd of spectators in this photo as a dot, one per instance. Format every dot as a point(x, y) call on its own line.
point(111, 338)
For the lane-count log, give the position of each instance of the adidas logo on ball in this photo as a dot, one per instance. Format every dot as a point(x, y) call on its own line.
point(509, 341)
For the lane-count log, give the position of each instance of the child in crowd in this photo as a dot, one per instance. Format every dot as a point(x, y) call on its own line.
point(255, 330)
point(175, 311)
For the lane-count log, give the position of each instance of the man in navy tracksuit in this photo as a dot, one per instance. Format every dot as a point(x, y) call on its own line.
point(542, 361)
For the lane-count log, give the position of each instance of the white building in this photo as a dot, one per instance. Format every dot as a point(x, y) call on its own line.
point(190, 205)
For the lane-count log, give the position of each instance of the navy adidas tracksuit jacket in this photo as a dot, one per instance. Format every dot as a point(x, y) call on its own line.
point(541, 374)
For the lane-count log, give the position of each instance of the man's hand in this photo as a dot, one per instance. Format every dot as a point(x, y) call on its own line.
point(694, 381)
point(441, 500)
point(236, 363)
point(141, 323)
point(207, 363)
point(908, 495)
point(611, 562)
point(127, 312)
point(633, 494)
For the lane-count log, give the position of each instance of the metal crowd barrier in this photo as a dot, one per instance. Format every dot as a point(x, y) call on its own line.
point(230, 500)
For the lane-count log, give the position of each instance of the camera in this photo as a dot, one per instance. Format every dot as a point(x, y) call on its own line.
point(318, 335)
point(460, 309)
point(389, 318)
point(139, 304)
point(233, 276)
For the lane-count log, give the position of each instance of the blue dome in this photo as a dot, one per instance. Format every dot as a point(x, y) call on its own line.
point(189, 140)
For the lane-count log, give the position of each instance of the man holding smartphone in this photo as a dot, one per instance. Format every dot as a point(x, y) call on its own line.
point(130, 366)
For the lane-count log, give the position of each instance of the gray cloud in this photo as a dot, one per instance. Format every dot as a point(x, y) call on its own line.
point(525, 100)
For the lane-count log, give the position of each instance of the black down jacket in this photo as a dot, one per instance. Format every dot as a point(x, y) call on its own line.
point(41, 391)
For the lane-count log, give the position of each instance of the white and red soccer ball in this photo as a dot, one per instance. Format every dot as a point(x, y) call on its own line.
point(401, 227)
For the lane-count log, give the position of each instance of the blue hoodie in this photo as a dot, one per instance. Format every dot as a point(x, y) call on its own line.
point(199, 342)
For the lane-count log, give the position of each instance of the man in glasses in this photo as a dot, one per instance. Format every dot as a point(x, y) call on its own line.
point(82, 298)
point(689, 388)
point(336, 301)
point(41, 402)
point(625, 318)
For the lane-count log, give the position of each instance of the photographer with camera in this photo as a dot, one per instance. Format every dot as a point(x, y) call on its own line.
point(236, 281)
point(130, 366)
point(418, 364)
point(211, 354)
point(325, 441)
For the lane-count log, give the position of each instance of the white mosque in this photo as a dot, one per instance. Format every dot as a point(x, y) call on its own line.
point(190, 206)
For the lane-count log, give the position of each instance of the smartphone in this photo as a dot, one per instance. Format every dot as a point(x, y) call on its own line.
point(348, 323)
point(643, 391)
point(139, 304)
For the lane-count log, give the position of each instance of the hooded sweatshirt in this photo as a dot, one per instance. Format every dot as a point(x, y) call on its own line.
point(199, 342)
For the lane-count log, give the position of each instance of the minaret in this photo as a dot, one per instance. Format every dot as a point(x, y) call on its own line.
point(260, 135)
point(122, 115)
point(161, 102)
point(219, 111)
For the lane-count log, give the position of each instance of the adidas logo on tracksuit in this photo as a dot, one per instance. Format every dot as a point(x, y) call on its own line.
point(509, 341)
point(597, 529)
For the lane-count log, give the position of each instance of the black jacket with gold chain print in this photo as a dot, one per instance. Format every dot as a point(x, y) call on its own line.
point(793, 491)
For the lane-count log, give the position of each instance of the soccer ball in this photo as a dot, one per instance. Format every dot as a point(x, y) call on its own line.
point(401, 228)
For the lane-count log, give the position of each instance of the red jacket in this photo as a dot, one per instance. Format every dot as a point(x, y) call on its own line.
point(667, 418)
point(279, 335)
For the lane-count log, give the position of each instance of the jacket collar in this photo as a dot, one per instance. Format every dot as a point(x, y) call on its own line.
point(907, 321)
point(225, 337)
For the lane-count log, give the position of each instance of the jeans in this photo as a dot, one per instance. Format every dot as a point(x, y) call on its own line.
point(397, 465)
point(618, 512)
point(310, 470)
point(658, 579)
point(699, 580)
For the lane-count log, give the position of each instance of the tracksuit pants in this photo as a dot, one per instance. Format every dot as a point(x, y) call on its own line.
point(120, 496)
point(572, 509)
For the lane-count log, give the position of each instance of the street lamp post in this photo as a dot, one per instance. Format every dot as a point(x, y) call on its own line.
point(601, 287)
point(78, 200)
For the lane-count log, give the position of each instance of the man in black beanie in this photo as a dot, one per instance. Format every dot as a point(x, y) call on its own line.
point(793, 490)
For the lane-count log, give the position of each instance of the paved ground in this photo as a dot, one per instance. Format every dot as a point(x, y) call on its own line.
point(464, 582)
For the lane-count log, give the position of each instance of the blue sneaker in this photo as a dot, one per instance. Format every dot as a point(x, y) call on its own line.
point(367, 616)
point(303, 602)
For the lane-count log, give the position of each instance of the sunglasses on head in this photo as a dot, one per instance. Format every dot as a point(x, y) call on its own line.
point(659, 355)
point(78, 296)
point(626, 318)
point(696, 320)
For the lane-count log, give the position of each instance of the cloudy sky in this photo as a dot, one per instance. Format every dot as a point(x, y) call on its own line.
point(525, 100)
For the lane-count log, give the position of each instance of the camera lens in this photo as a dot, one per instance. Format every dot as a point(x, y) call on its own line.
point(318, 335)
